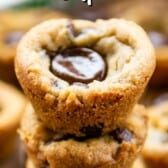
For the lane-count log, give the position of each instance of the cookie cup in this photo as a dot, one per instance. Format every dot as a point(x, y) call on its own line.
point(117, 149)
point(73, 108)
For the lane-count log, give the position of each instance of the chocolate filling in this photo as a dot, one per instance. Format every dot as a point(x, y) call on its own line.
point(13, 38)
point(58, 138)
point(119, 134)
point(79, 65)
point(158, 39)
point(92, 131)
point(71, 29)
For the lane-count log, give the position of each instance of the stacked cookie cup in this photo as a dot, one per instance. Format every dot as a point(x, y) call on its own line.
point(84, 79)
point(156, 142)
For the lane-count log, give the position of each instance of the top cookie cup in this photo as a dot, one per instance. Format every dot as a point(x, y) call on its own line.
point(99, 92)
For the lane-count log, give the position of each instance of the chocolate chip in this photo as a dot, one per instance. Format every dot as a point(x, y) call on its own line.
point(51, 54)
point(71, 29)
point(158, 39)
point(121, 134)
point(79, 65)
point(58, 137)
point(57, 84)
point(13, 38)
point(92, 131)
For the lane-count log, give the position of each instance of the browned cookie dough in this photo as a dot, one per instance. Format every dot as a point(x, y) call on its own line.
point(155, 151)
point(12, 105)
point(114, 150)
point(82, 75)
point(13, 25)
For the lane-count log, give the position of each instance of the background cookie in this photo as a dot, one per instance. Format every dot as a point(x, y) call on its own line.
point(12, 105)
point(14, 24)
point(114, 150)
point(155, 24)
point(155, 150)
point(116, 62)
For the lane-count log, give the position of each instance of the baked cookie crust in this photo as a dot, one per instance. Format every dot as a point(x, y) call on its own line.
point(70, 108)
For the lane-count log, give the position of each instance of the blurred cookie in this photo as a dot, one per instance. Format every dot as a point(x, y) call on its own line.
point(13, 25)
point(12, 105)
point(154, 22)
point(114, 150)
point(155, 150)
point(152, 16)
point(84, 76)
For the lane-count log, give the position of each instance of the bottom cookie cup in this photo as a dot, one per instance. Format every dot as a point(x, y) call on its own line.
point(12, 105)
point(155, 151)
point(117, 149)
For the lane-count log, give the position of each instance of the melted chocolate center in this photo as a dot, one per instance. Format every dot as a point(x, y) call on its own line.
point(13, 38)
point(158, 39)
point(79, 65)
